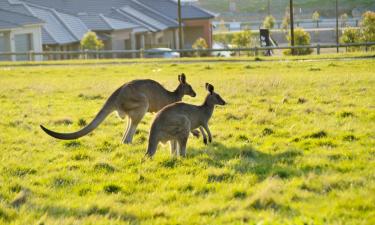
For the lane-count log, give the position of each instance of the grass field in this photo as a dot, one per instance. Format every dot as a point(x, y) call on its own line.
point(295, 145)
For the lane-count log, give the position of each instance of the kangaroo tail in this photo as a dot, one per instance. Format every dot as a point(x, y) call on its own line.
point(107, 109)
point(152, 144)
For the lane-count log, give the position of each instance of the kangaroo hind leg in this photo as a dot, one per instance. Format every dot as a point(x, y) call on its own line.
point(174, 147)
point(135, 116)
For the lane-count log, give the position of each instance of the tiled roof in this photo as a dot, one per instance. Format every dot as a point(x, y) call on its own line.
point(66, 21)
point(54, 27)
point(169, 8)
point(116, 24)
point(9, 19)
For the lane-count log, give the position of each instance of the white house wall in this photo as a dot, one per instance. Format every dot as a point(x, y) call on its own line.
point(36, 39)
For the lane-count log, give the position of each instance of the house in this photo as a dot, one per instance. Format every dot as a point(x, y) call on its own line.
point(121, 25)
point(19, 33)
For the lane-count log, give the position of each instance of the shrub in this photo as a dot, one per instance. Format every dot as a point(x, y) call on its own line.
point(200, 43)
point(301, 38)
point(224, 38)
point(350, 35)
point(242, 39)
point(269, 22)
point(91, 42)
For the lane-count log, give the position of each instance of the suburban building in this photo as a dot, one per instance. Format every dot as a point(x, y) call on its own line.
point(19, 33)
point(121, 25)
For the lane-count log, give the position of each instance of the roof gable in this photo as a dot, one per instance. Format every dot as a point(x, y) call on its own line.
point(10, 19)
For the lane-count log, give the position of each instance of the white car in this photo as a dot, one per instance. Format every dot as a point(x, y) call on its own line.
point(161, 53)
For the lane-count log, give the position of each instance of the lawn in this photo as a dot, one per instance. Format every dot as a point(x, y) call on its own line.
point(295, 145)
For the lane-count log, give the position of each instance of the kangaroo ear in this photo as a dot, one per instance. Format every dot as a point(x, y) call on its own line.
point(209, 88)
point(179, 78)
point(183, 78)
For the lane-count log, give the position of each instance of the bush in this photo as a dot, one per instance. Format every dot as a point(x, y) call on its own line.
point(350, 35)
point(242, 39)
point(368, 26)
point(200, 43)
point(224, 38)
point(269, 22)
point(91, 42)
point(301, 38)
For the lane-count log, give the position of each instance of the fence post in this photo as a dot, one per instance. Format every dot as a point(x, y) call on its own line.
point(85, 55)
point(142, 53)
point(30, 55)
point(256, 51)
point(318, 49)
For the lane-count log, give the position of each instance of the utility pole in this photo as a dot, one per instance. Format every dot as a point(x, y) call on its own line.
point(337, 26)
point(180, 42)
point(291, 24)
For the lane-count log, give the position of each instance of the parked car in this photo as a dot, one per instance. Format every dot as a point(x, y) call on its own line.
point(161, 53)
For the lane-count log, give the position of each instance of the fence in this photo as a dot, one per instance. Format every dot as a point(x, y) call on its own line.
point(113, 54)
point(304, 23)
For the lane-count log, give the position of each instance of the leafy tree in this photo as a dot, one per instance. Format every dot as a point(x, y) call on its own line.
point(200, 43)
point(269, 22)
point(301, 38)
point(222, 27)
point(368, 26)
point(344, 19)
point(286, 20)
point(91, 42)
point(242, 39)
point(316, 18)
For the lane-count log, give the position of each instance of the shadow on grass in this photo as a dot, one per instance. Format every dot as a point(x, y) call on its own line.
point(247, 159)
point(59, 212)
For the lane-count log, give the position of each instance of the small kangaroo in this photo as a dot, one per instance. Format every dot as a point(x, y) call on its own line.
point(174, 123)
point(133, 99)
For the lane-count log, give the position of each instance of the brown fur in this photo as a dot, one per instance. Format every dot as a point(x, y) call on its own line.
point(174, 122)
point(134, 100)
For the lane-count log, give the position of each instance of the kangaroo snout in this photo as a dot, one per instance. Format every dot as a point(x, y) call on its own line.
point(193, 94)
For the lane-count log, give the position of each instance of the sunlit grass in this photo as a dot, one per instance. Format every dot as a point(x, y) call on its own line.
point(295, 145)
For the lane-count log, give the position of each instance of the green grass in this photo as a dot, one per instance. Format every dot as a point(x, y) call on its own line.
point(295, 145)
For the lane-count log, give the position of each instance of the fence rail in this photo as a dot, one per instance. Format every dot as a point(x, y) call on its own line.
point(86, 54)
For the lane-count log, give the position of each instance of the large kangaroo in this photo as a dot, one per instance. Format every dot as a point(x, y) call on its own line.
point(174, 122)
point(133, 99)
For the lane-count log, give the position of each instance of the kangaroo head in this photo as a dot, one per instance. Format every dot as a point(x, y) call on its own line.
point(213, 98)
point(184, 87)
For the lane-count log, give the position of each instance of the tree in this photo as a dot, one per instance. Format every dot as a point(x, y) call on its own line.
point(316, 18)
point(222, 27)
point(200, 43)
point(91, 42)
point(301, 38)
point(269, 22)
point(368, 26)
point(344, 20)
point(242, 39)
point(286, 20)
